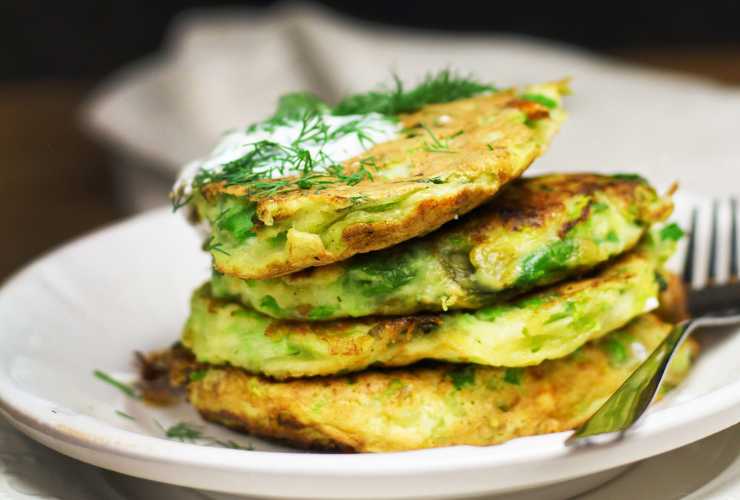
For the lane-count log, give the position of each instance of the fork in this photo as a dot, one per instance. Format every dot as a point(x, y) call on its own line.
point(713, 304)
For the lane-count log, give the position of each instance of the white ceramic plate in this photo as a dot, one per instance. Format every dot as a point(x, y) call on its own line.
point(93, 303)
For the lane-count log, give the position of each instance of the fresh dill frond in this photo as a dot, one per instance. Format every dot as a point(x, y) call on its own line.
point(190, 433)
point(269, 168)
point(127, 389)
point(211, 245)
point(124, 415)
point(296, 104)
point(437, 145)
point(445, 86)
point(183, 431)
point(179, 200)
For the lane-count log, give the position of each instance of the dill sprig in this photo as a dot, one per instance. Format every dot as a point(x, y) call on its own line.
point(437, 145)
point(269, 168)
point(190, 433)
point(127, 389)
point(445, 86)
point(124, 415)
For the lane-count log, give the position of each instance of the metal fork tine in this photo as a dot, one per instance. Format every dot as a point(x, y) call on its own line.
point(733, 240)
point(688, 265)
point(712, 266)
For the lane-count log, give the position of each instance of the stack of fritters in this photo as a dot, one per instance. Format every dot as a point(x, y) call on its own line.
point(438, 300)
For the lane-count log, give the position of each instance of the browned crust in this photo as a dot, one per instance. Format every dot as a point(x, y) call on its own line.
point(530, 202)
point(263, 408)
point(284, 429)
point(428, 216)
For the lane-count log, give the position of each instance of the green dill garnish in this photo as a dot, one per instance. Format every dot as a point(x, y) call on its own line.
point(189, 433)
point(184, 432)
point(462, 376)
point(445, 86)
point(437, 145)
point(513, 376)
point(128, 390)
point(296, 104)
point(671, 232)
point(197, 375)
point(211, 245)
point(124, 415)
point(269, 168)
point(541, 99)
point(179, 200)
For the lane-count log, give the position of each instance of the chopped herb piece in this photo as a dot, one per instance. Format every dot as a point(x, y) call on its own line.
point(599, 206)
point(513, 376)
point(128, 390)
point(438, 145)
point(124, 415)
point(546, 260)
point(268, 302)
point(567, 312)
point(321, 312)
point(612, 237)
point(375, 276)
point(671, 232)
point(197, 375)
point(541, 99)
point(237, 221)
point(491, 313)
point(184, 432)
point(189, 433)
point(615, 350)
point(662, 283)
point(629, 177)
point(462, 376)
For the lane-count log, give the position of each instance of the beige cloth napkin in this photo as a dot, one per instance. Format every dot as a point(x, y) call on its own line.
point(226, 68)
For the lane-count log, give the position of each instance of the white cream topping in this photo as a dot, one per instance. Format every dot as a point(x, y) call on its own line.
point(340, 138)
point(650, 304)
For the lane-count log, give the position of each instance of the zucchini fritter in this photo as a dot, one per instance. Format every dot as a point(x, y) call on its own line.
point(423, 407)
point(545, 325)
point(535, 232)
point(449, 159)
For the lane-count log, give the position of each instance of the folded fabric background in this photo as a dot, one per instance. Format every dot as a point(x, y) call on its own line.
point(226, 68)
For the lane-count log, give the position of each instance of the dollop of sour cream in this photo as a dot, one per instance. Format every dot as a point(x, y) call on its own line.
point(349, 136)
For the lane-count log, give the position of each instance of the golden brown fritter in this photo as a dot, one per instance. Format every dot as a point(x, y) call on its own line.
point(425, 406)
point(535, 232)
point(544, 325)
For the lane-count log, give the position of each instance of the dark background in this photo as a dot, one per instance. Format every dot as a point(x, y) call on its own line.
point(43, 39)
point(55, 181)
